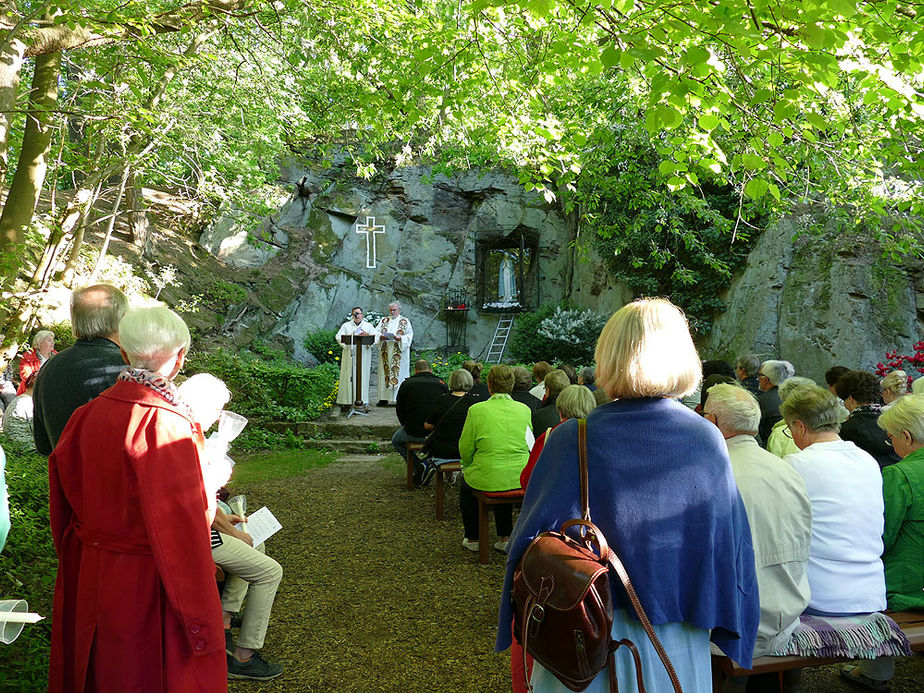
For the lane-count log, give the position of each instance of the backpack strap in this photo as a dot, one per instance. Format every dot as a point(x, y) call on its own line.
point(620, 570)
point(582, 459)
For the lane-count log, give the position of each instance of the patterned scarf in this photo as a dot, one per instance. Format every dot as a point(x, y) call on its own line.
point(159, 384)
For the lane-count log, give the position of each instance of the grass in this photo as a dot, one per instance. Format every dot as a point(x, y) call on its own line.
point(261, 467)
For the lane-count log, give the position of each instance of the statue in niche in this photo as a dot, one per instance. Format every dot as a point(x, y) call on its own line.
point(506, 279)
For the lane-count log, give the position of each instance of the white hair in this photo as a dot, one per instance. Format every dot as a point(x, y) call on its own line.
point(904, 414)
point(736, 410)
point(788, 386)
point(777, 371)
point(150, 336)
point(395, 304)
point(40, 336)
point(205, 394)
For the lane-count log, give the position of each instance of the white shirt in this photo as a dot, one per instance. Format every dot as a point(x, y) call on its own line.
point(845, 487)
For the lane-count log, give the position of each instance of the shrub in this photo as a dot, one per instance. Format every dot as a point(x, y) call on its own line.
point(443, 366)
point(526, 344)
point(28, 565)
point(323, 345)
point(269, 388)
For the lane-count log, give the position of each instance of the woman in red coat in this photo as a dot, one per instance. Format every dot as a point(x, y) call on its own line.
point(136, 607)
point(43, 348)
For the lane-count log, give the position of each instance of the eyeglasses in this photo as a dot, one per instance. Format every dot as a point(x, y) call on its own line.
point(787, 432)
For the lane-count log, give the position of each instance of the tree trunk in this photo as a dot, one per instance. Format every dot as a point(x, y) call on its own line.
point(70, 267)
point(138, 225)
point(10, 70)
point(104, 248)
point(33, 158)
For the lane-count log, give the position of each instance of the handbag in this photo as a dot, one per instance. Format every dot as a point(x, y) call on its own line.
point(563, 601)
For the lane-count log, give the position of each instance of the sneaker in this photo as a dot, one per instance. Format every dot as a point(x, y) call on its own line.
point(229, 642)
point(429, 471)
point(454, 477)
point(470, 545)
point(256, 668)
point(501, 546)
point(854, 674)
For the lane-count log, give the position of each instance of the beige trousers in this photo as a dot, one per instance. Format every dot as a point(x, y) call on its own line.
point(250, 570)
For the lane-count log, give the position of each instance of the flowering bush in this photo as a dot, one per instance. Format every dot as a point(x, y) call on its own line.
point(557, 334)
point(323, 346)
point(896, 361)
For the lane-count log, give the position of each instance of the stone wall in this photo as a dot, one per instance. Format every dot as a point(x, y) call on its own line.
point(819, 297)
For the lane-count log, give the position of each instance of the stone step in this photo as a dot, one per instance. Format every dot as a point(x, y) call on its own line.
point(336, 429)
point(351, 445)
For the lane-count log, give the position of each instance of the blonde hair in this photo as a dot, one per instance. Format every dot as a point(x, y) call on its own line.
point(904, 414)
point(575, 402)
point(645, 350)
point(895, 382)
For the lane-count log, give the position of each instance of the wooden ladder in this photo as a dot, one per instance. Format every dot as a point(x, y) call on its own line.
point(501, 334)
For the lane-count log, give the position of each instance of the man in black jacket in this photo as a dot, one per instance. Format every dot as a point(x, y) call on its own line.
point(78, 374)
point(414, 402)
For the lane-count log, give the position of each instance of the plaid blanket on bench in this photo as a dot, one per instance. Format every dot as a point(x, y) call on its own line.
point(865, 636)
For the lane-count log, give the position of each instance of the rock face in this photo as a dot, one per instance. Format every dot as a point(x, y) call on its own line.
point(818, 299)
point(426, 228)
point(814, 297)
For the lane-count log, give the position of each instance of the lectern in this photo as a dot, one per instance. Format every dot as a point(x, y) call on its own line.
point(358, 341)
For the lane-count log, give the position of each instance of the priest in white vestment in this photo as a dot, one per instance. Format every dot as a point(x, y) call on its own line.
point(395, 336)
point(346, 394)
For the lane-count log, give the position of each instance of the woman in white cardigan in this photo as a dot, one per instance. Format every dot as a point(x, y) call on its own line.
point(845, 488)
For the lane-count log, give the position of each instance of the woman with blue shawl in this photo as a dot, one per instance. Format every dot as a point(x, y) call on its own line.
point(663, 494)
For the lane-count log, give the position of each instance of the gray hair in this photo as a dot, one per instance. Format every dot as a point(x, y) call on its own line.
point(788, 386)
point(814, 406)
point(904, 414)
point(750, 364)
point(395, 304)
point(96, 311)
point(461, 381)
point(588, 373)
point(575, 402)
point(522, 378)
point(205, 394)
point(150, 336)
point(895, 382)
point(777, 371)
point(40, 336)
point(736, 410)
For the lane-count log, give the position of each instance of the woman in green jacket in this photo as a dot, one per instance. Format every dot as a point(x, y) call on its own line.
point(903, 534)
point(494, 447)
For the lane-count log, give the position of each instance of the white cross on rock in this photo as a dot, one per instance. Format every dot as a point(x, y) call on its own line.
point(371, 230)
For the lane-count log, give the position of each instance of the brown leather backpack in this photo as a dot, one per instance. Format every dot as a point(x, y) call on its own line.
point(563, 602)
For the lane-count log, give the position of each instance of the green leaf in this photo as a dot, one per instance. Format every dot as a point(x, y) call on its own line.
point(666, 168)
point(708, 122)
point(756, 188)
point(610, 56)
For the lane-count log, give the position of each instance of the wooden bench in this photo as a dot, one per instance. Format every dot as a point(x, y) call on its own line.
point(411, 458)
point(911, 622)
point(443, 471)
point(487, 499)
